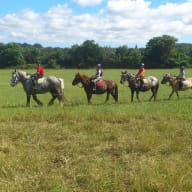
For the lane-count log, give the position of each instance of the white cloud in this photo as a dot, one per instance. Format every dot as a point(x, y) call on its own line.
point(120, 22)
point(85, 3)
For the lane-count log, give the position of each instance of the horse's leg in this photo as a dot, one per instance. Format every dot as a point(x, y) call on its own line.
point(107, 97)
point(51, 102)
point(153, 90)
point(177, 94)
point(37, 100)
point(89, 98)
point(171, 94)
point(137, 95)
point(132, 95)
point(28, 100)
point(115, 96)
point(152, 97)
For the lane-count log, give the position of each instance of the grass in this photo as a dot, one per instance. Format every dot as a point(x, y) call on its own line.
point(133, 147)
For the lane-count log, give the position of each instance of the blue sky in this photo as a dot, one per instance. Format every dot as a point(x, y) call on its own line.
point(109, 22)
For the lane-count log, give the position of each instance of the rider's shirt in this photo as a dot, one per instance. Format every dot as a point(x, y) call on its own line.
point(40, 71)
point(182, 75)
point(98, 73)
point(141, 72)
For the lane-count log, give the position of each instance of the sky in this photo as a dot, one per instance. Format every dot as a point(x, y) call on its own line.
point(63, 23)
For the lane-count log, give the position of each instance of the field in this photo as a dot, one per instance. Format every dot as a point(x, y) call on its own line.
point(125, 147)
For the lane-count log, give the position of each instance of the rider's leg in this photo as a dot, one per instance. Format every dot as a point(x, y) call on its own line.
point(34, 80)
point(95, 83)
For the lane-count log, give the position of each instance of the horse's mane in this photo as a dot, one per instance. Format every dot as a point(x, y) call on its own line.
point(85, 78)
point(24, 74)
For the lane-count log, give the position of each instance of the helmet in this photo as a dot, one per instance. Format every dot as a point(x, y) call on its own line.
point(182, 67)
point(98, 65)
point(142, 64)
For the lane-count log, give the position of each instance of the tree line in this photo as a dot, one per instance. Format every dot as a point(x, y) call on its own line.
point(160, 52)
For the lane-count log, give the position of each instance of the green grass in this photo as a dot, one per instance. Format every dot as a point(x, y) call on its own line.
point(133, 147)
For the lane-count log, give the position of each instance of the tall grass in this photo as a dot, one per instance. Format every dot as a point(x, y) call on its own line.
point(128, 146)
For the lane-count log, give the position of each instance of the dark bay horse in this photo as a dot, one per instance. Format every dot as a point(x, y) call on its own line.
point(106, 86)
point(50, 84)
point(150, 83)
point(174, 83)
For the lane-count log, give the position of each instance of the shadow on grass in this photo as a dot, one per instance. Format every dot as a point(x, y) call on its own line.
point(19, 106)
point(13, 106)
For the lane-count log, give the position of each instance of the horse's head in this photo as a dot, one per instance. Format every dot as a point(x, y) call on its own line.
point(81, 78)
point(123, 77)
point(14, 78)
point(77, 79)
point(165, 79)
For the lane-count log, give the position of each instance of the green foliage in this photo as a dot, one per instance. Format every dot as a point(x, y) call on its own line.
point(11, 55)
point(160, 52)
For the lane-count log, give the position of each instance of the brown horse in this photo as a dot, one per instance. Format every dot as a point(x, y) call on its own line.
point(174, 83)
point(102, 86)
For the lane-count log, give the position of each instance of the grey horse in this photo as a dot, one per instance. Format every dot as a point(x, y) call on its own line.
point(150, 83)
point(50, 84)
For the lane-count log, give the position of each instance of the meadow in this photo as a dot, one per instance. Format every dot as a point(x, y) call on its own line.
point(125, 147)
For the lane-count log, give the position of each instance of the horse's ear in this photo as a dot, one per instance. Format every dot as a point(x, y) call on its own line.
point(15, 70)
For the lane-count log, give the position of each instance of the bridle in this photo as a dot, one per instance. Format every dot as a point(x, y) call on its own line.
point(14, 78)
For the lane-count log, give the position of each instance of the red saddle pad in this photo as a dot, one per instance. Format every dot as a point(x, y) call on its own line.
point(100, 83)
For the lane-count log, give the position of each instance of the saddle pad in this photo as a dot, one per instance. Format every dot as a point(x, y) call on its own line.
point(40, 80)
point(145, 80)
point(100, 83)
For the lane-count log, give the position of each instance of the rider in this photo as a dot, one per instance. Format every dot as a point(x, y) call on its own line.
point(39, 74)
point(181, 77)
point(97, 76)
point(141, 73)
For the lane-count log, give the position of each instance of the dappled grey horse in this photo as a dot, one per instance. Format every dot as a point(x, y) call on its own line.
point(150, 83)
point(50, 84)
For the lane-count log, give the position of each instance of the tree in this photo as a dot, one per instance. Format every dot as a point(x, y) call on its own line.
point(161, 52)
point(11, 55)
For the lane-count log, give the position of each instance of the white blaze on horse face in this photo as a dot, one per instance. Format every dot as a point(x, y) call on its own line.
point(14, 80)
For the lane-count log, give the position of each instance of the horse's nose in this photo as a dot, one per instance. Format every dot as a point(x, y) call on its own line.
point(12, 84)
point(121, 81)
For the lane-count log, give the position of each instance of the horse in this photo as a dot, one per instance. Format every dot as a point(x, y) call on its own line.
point(174, 83)
point(50, 84)
point(149, 83)
point(102, 86)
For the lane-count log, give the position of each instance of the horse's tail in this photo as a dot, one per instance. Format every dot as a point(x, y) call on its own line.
point(61, 86)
